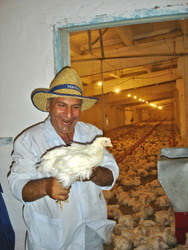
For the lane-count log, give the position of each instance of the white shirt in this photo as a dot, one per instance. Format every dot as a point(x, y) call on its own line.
point(48, 226)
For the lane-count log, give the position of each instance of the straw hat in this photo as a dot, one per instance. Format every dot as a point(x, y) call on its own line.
point(67, 83)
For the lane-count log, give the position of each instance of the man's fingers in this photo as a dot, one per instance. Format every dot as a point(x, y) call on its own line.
point(56, 191)
point(62, 197)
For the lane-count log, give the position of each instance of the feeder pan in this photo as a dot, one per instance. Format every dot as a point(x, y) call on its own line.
point(172, 165)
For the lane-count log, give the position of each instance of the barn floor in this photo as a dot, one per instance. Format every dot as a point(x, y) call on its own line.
point(135, 149)
point(128, 209)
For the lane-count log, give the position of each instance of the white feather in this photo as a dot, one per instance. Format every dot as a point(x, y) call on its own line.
point(70, 163)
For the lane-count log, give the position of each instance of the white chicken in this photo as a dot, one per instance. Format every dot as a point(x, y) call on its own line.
point(164, 217)
point(74, 162)
point(113, 211)
point(163, 201)
point(122, 243)
point(70, 163)
point(126, 220)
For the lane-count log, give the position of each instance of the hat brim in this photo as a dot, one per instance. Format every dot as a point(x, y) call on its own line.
point(39, 99)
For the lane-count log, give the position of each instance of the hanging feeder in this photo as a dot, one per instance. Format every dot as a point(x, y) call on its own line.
point(172, 167)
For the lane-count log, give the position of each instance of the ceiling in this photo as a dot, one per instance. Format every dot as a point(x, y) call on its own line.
point(141, 59)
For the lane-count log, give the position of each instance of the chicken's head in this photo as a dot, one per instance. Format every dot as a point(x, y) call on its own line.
point(104, 141)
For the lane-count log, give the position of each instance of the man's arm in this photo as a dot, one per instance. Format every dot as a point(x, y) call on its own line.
point(37, 189)
point(102, 176)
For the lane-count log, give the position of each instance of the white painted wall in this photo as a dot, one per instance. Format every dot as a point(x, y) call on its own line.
point(27, 48)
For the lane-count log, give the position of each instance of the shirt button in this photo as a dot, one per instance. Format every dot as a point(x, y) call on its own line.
point(100, 196)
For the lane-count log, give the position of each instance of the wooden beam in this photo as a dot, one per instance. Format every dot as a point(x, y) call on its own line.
point(184, 26)
point(89, 41)
point(169, 35)
point(126, 35)
point(101, 44)
point(148, 68)
point(74, 49)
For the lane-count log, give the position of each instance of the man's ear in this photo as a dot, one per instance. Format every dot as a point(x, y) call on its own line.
point(48, 105)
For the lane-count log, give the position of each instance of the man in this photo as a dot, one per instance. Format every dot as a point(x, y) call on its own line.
point(82, 224)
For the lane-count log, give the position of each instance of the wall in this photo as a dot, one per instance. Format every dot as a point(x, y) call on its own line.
point(116, 117)
point(112, 117)
point(155, 114)
point(182, 87)
point(27, 49)
point(181, 108)
point(27, 46)
point(129, 116)
point(93, 116)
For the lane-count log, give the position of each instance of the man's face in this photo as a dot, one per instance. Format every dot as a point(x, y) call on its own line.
point(64, 113)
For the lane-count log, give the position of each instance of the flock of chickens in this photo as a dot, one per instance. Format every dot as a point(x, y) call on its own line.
point(144, 215)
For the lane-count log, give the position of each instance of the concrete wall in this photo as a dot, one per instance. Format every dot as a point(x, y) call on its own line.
point(181, 108)
point(155, 114)
point(27, 45)
point(112, 117)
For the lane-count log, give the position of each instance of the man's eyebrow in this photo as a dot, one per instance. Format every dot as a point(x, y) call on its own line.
point(75, 104)
point(60, 102)
point(79, 104)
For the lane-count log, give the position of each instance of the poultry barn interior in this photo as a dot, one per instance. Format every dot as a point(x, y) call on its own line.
point(138, 72)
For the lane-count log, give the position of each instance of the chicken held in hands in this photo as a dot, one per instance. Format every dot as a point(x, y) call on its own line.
point(74, 162)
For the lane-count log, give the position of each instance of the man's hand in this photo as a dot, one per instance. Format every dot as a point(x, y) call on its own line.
point(101, 176)
point(37, 189)
point(56, 191)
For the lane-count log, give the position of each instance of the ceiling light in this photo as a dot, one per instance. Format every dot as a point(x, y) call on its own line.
point(117, 90)
point(153, 105)
point(100, 83)
point(140, 100)
point(146, 101)
point(135, 97)
point(129, 95)
point(159, 107)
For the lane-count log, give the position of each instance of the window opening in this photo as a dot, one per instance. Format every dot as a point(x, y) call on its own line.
point(130, 60)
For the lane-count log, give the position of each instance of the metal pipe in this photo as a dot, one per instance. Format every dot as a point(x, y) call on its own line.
point(102, 96)
point(122, 57)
